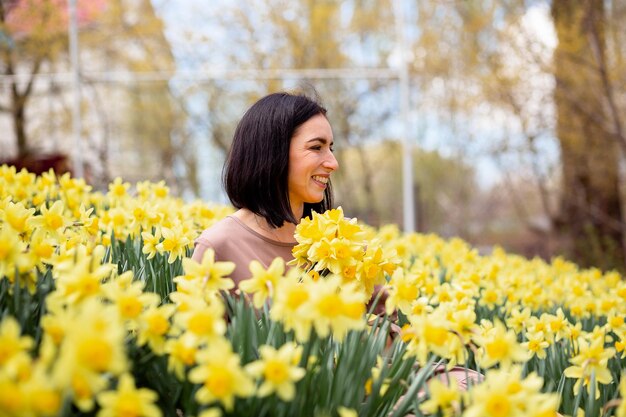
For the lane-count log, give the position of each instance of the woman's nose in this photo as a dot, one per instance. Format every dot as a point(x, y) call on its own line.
point(331, 162)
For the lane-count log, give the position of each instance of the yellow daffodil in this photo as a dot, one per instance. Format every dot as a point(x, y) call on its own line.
point(333, 224)
point(182, 352)
point(129, 297)
point(492, 403)
point(41, 247)
point(20, 367)
point(128, 400)
point(312, 229)
point(403, 290)
point(544, 406)
point(144, 190)
point(429, 334)
point(615, 323)
point(140, 213)
point(118, 189)
point(463, 323)
point(262, 284)
point(375, 264)
point(174, 241)
point(12, 397)
point(56, 321)
point(420, 307)
point(557, 324)
point(330, 241)
point(442, 398)
point(160, 190)
point(153, 326)
point(335, 254)
point(43, 397)
point(12, 344)
point(593, 358)
point(499, 346)
point(117, 221)
point(212, 275)
point(490, 297)
point(92, 347)
point(18, 217)
point(202, 319)
point(221, 375)
point(518, 318)
point(11, 248)
point(25, 178)
point(336, 306)
point(278, 369)
point(84, 386)
point(81, 278)
point(290, 305)
point(536, 345)
point(574, 331)
point(52, 219)
point(150, 243)
point(505, 393)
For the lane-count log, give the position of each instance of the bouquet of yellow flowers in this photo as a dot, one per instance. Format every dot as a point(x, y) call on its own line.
point(331, 243)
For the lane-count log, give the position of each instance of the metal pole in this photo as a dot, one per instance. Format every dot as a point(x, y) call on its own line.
point(76, 114)
point(408, 202)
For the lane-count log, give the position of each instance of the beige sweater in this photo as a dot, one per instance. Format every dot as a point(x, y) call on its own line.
point(233, 241)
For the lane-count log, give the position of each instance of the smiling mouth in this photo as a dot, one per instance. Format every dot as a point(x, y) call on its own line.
point(322, 180)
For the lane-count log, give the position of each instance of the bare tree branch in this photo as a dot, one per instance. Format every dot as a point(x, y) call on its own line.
point(600, 56)
point(29, 86)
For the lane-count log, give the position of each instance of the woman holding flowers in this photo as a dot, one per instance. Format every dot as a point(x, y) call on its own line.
point(276, 173)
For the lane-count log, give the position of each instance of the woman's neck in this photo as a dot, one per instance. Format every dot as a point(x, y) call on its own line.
point(297, 210)
point(284, 234)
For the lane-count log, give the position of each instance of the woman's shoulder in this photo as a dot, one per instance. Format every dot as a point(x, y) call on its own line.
point(219, 231)
point(233, 232)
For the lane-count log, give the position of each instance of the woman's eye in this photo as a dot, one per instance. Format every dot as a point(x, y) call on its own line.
point(316, 148)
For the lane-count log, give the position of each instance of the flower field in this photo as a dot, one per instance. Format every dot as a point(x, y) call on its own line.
point(102, 312)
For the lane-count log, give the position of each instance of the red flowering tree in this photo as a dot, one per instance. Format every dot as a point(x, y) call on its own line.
point(32, 33)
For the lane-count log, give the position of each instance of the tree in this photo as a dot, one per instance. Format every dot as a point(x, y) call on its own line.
point(490, 65)
point(33, 34)
point(130, 128)
point(591, 214)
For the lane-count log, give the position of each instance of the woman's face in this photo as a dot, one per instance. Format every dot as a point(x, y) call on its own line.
point(311, 161)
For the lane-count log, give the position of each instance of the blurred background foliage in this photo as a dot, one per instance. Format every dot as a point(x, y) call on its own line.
point(517, 106)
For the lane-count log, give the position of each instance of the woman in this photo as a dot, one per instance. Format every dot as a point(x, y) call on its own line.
point(277, 172)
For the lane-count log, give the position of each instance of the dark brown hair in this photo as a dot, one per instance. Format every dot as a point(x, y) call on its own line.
point(256, 169)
